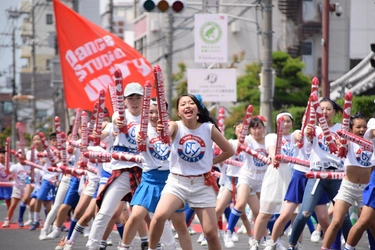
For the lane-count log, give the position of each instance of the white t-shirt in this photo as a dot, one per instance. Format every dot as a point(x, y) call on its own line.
point(191, 150)
point(250, 162)
point(320, 154)
point(126, 141)
point(109, 140)
point(157, 153)
point(20, 174)
point(3, 175)
point(358, 157)
point(232, 171)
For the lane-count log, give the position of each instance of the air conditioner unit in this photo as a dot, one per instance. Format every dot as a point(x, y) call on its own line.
point(154, 25)
point(234, 27)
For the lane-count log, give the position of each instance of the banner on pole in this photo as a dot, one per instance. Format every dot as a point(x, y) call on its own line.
point(89, 56)
point(214, 85)
point(210, 38)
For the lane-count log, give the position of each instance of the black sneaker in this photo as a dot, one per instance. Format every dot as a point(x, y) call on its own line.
point(144, 245)
point(103, 245)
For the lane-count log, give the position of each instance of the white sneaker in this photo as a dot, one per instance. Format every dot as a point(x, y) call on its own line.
point(68, 245)
point(28, 223)
point(109, 241)
point(228, 242)
point(191, 231)
point(315, 236)
point(200, 238)
point(43, 234)
point(61, 244)
point(86, 232)
point(204, 242)
point(254, 245)
point(54, 234)
point(176, 236)
point(6, 223)
point(271, 245)
point(299, 246)
point(242, 230)
point(235, 237)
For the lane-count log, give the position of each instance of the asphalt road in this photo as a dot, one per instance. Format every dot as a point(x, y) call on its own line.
point(23, 239)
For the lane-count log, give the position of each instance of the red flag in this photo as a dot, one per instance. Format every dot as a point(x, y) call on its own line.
point(89, 56)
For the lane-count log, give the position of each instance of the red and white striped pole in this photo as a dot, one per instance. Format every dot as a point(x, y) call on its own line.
point(343, 149)
point(245, 128)
point(162, 104)
point(279, 138)
point(120, 101)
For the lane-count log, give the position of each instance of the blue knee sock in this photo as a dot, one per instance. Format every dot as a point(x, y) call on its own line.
point(310, 225)
point(337, 243)
point(271, 222)
point(73, 223)
point(371, 239)
point(22, 211)
point(189, 214)
point(120, 229)
point(233, 219)
point(227, 213)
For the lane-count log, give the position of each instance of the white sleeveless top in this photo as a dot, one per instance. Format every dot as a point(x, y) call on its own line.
point(358, 157)
point(128, 141)
point(157, 153)
point(231, 170)
point(191, 150)
point(251, 163)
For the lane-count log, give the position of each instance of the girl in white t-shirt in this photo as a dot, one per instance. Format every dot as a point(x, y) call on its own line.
point(5, 192)
point(276, 180)
point(191, 161)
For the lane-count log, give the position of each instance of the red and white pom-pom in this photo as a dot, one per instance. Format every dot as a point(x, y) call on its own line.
point(7, 155)
point(325, 175)
point(145, 116)
point(58, 132)
point(77, 120)
point(221, 120)
point(323, 124)
point(343, 149)
point(245, 128)
point(293, 160)
point(127, 157)
point(120, 101)
point(305, 121)
point(21, 138)
point(112, 94)
point(233, 162)
point(64, 155)
point(99, 117)
point(162, 104)
point(255, 154)
point(367, 145)
point(279, 138)
point(101, 156)
point(33, 164)
point(51, 156)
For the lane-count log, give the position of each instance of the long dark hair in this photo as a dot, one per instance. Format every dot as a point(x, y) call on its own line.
point(335, 106)
point(203, 113)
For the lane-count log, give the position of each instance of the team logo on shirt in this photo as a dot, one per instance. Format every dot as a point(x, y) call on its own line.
point(158, 149)
point(323, 143)
point(3, 174)
point(131, 135)
point(191, 148)
point(22, 176)
point(363, 157)
point(257, 162)
point(287, 147)
point(240, 157)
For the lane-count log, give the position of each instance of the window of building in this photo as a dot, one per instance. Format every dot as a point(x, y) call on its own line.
point(307, 48)
point(140, 45)
point(49, 19)
point(41, 113)
point(48, 64)
point(7, 108)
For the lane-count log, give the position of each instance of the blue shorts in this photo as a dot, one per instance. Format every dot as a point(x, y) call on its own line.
point(229, 183)
point(5, 193)
point(46, 191)
point(297, 187)
point(72, 196)
point(96, 192)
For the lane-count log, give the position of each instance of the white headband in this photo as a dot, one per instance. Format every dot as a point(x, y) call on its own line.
point(284, 114)
point(152, 102)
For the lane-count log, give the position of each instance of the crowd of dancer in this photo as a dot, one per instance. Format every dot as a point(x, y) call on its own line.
point(163, 173)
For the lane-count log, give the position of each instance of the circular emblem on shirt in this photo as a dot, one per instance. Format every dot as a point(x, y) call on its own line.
point(22, 176)
point(3, 174)
point(322, 142)
point(287, 148)
point(257, 162)
point(158, 149)
point(191, 148)
point(131, 135)
point(363, 157)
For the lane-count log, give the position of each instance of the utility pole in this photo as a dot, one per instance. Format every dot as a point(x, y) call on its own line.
point(169, 61)
point(13, 14)
point(33, 74)
point(266, 88)
point(325, 48)
point(110, 19)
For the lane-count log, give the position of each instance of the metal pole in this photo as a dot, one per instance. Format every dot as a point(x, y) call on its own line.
point(14, 111)
point(325, 47)
point(110, 5)
point(33, 75)
point(169, 43)
point(266, 98)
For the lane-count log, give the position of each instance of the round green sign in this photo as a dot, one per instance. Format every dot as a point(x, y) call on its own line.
point(210, 32)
